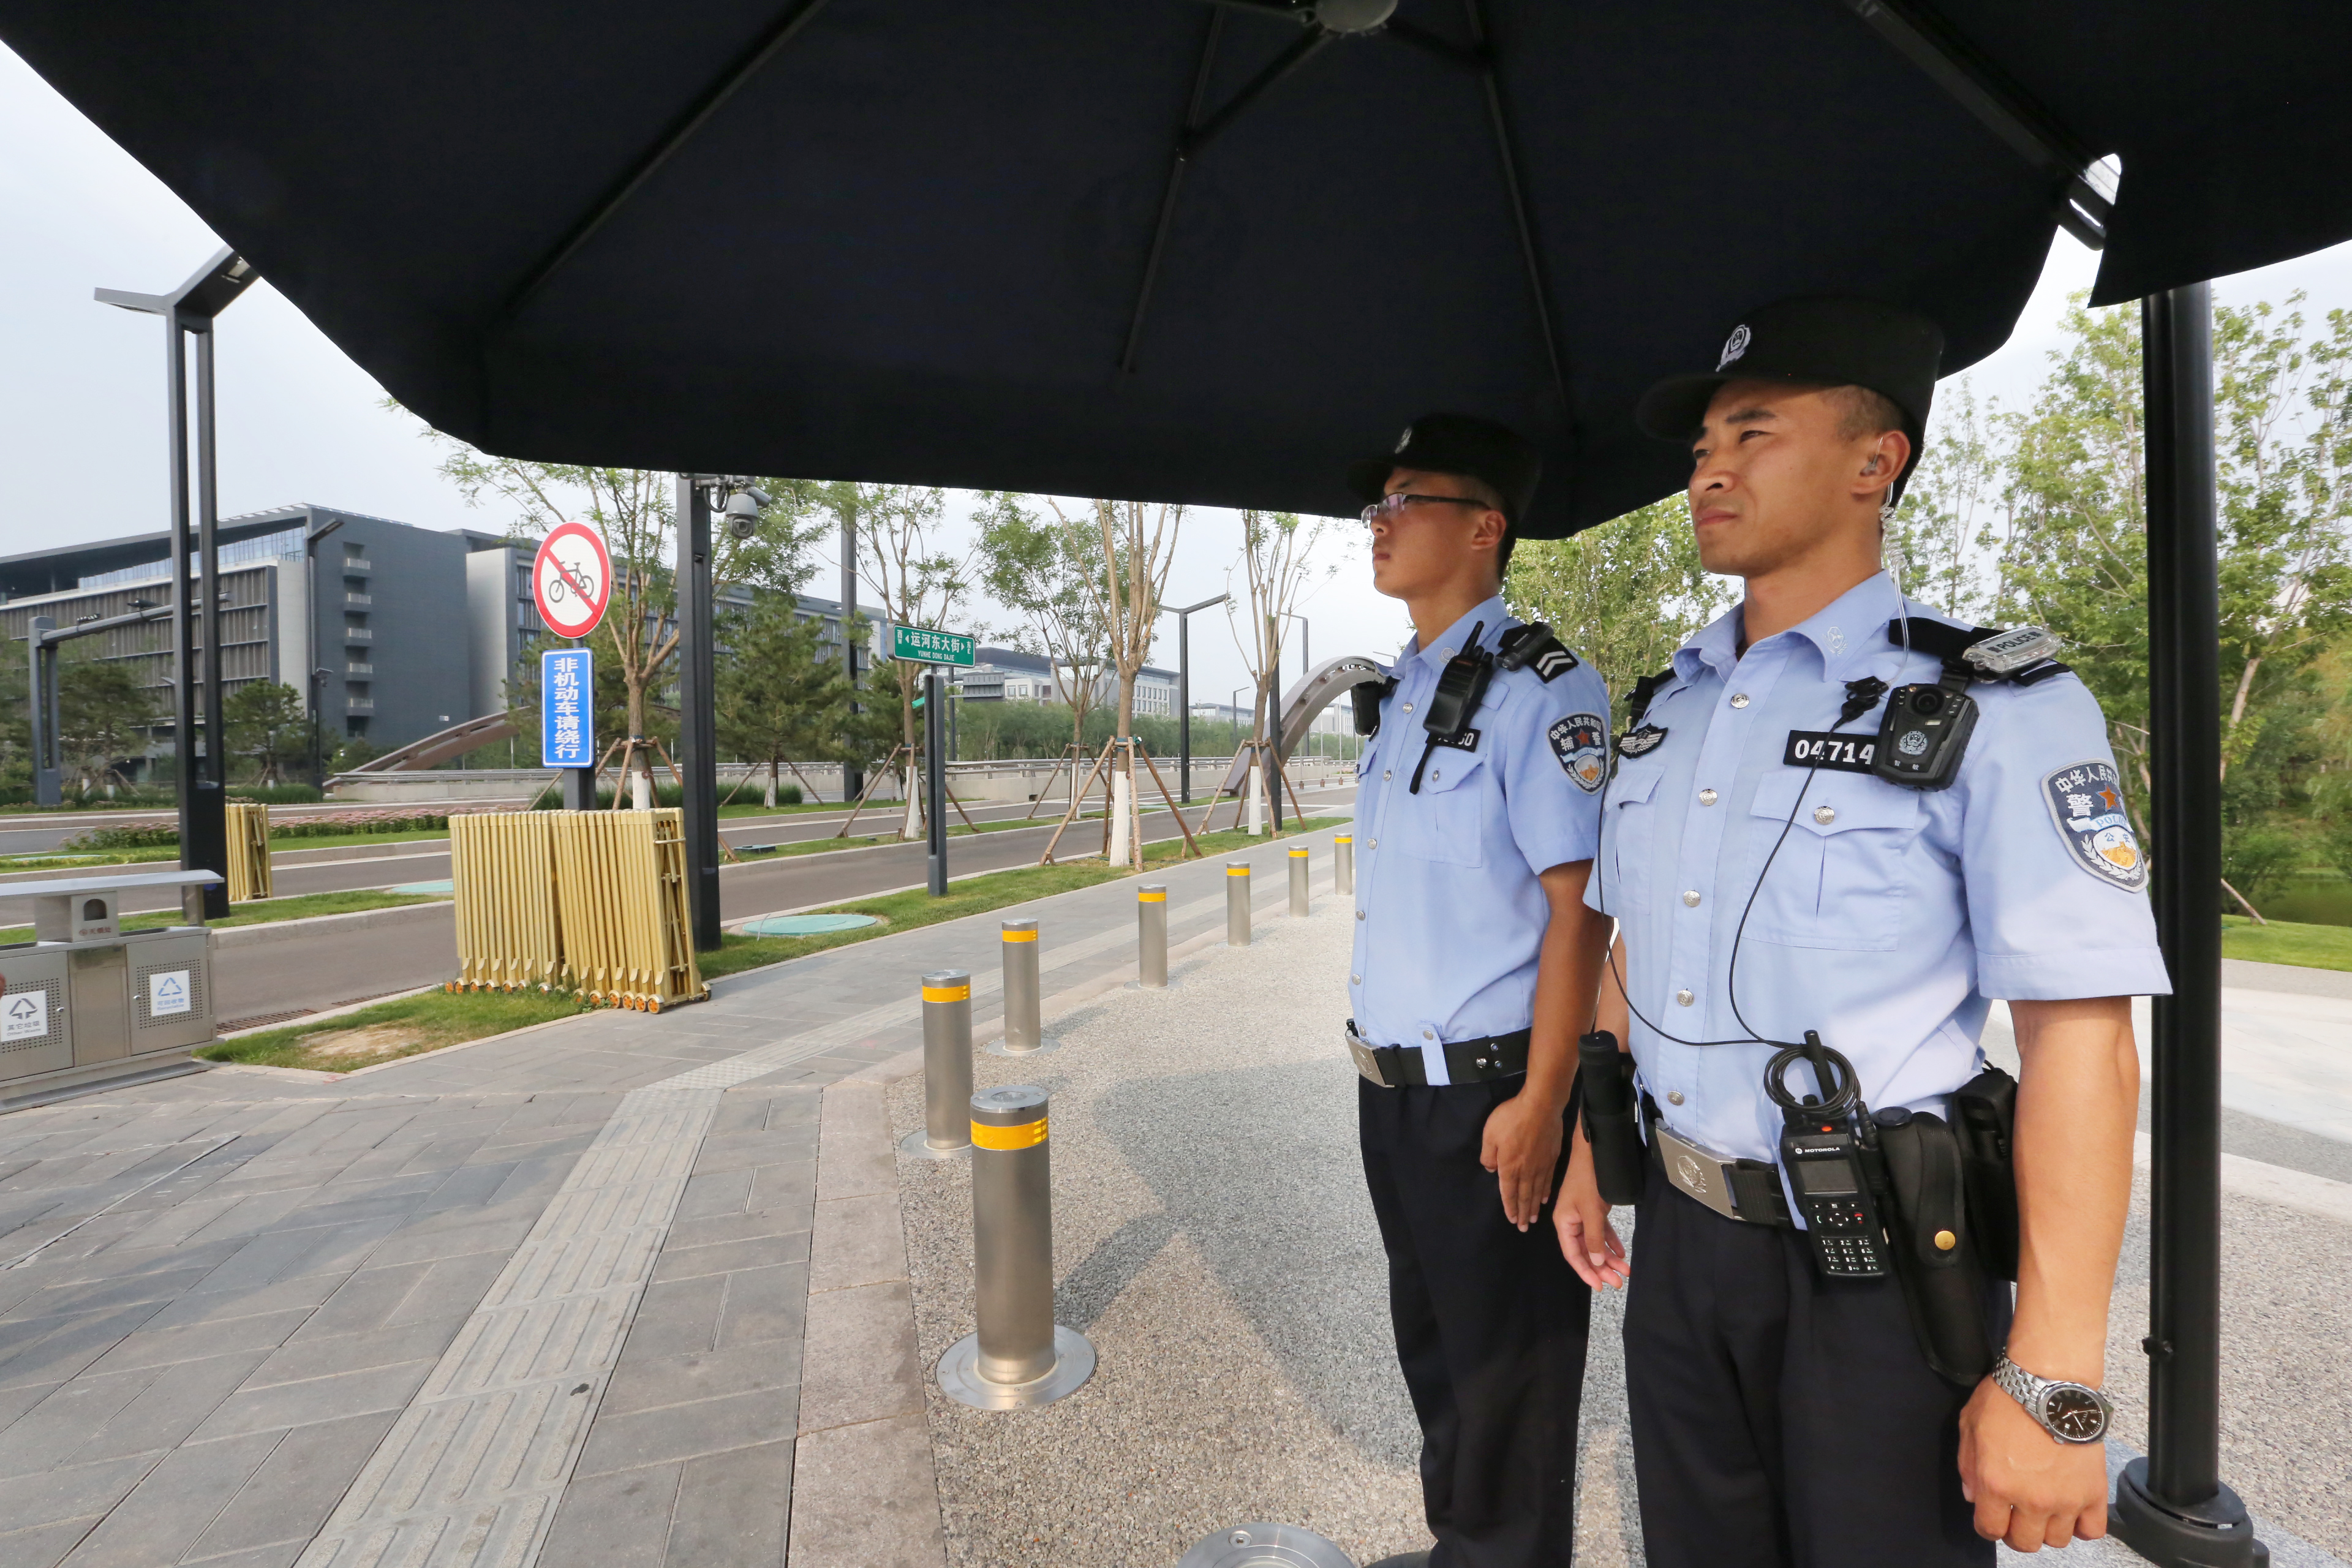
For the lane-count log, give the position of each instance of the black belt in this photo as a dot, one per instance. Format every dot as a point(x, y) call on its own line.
point(1467, 1061)
point(1745, 1190)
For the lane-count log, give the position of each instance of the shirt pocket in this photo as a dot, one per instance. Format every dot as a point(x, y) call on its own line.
point(1632, 830)
point(1840, 879)
point(1446, 821)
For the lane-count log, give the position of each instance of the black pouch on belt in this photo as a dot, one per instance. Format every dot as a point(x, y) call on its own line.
point(1984, 1113)
point(1611, 1119)
point(1943, 1282)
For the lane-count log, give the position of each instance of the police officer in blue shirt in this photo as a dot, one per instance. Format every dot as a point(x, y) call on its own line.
point(1474, 967)
point(1791, 847)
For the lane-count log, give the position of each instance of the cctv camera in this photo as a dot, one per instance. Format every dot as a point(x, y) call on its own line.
point(743, 514)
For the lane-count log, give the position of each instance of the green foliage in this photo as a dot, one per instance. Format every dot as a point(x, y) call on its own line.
point(103, 717)
point(781, 700)
point(1625, 595)
point(1040, 568)
point(266, 725)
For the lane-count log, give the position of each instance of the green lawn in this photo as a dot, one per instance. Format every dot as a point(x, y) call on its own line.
point(265, 911)
point(170, 853)
point(2286, 941)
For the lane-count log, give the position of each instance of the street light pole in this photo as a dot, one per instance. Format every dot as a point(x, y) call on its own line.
point(696, 733)
point(203, 799)
point(318, 673)
point(1184, 692)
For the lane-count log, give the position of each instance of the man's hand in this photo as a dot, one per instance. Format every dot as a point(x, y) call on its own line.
point(2029, 1489)
point(1522, 1147)
point(1587, 1239)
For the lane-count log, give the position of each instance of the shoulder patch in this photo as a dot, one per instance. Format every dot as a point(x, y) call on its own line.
point(1580, 741)
point(1535, 647)
point(2086, 807)
point(1642, 740)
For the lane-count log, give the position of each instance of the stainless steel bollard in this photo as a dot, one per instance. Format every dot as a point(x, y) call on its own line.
point(1237, 900)
point(1018, 1356)
point(1343, 864)
point(1151, 937)
point(946, 1068)
point(1298, 882)
point(1023, 1035)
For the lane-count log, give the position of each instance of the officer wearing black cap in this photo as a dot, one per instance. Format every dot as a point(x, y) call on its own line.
point(1840, 827)
point(1474, 964)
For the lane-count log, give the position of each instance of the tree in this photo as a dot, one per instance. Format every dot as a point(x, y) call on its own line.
point(1042, 570)
point(779, 700)
point(1276, 566)
point(1623, 594)
point(265, 722)
point(103, 717)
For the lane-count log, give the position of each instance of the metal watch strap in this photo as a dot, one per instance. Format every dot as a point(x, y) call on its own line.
point(2031, 1393)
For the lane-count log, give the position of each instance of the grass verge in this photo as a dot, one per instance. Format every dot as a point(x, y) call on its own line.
point(265, 912)
point(389, 1030)
point(170, 853)
point(2287, 942)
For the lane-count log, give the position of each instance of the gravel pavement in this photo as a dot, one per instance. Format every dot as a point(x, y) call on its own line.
point(1213, 1239)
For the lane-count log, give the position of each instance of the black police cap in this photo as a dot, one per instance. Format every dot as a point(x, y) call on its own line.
point(1458, 444)
point(1820, 343)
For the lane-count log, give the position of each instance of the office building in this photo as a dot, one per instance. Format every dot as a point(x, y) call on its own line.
point(1009, 675)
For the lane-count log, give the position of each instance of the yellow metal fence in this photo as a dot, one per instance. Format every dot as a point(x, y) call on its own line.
point(588, 901)
point(248, 851)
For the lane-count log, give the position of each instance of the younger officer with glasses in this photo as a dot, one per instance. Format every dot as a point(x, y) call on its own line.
point(1474, 966)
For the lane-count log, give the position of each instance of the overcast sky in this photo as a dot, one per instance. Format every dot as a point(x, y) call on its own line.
point(81, 417)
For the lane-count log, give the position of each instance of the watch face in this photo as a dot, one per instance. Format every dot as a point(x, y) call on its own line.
point(2074, 1414)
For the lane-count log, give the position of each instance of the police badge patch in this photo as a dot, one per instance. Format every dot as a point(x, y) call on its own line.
point(2086, 805)
point(1580, 741)
point(1637, 741)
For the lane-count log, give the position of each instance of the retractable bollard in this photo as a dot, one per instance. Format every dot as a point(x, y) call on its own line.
point(1018, 1356)
point(1298, 881)
point(946, 1133)
point(1151, 937)
point(1343, 865)
point(1023, 1034)
point(1237, 900)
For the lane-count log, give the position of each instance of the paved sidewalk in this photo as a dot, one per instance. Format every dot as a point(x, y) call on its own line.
point(618, 1289)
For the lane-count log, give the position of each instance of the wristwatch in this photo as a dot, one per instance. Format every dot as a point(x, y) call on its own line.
point(2069, 1411)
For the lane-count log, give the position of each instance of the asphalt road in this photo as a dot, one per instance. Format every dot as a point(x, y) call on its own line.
point(308, 967)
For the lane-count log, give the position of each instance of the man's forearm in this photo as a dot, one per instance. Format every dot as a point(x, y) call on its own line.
point(2077, 1103)
point(1568, 974)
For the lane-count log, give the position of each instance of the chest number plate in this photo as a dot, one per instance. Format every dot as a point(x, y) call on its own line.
point(1847, 753)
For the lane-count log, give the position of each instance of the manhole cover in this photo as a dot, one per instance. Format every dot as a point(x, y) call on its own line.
point(803, 925)
point(1265, 1546)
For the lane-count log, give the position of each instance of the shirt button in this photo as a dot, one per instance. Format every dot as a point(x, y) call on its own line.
point(1706, 797)
point(1825, 814)
point(1739, 699)
point(1674, 1097)
point(1387, 775)
point(1408, 707)
point(1437, 775)
point(1371, 844)
point(1428, 1035)
point(1690, 898)
point(1359, 914)
point(1355, 980)
point(1684, 998)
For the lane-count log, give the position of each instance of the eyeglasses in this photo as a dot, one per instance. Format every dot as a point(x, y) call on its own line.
point(1389, 505)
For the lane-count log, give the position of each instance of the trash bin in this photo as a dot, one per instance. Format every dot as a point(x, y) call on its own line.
point(86, 1003)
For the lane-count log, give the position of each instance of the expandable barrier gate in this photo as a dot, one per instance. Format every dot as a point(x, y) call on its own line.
point(248, 852)
point(591, 901)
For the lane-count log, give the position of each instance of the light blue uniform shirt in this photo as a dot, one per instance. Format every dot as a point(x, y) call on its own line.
point(1890, 916)
point(1449, 915)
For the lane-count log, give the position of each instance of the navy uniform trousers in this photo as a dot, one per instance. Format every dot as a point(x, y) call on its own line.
point(1782, 1420)
point(1491, 1325)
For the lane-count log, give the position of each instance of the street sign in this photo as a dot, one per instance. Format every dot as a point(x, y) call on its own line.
point(573, 578)
point(567, 719)
point(921, 645)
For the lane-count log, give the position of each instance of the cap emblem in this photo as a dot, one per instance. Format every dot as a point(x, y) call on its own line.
point(1404, 440)
point(1734, 346)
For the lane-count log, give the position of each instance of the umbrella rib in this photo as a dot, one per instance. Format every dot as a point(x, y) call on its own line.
point(1508, 153)
point(746, 66)
point(1195, 134)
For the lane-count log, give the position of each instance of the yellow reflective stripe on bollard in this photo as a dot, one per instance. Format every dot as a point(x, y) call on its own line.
point(1236, 870)
point(1151, 898)
point(1021, 936)
point(1344, 839)
point(1299, 855)
point(948, 993)
point(1028, 1135)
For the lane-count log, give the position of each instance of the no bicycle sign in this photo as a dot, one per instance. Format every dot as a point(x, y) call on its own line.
point(573, 579)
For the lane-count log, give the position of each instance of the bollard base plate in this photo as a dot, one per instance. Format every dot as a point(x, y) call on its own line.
point(1265, 1546)
point(960, 1379)
point(916, 1145)
point(997, 1048)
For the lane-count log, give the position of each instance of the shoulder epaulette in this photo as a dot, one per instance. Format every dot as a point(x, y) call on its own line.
point(1367, 696)
point(1534, 646)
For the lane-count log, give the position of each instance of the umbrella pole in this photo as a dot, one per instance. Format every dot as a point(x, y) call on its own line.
point(2171, 1507)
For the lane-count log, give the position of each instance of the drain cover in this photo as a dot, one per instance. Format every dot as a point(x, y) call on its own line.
point(1265, 1546)
point(803, 925)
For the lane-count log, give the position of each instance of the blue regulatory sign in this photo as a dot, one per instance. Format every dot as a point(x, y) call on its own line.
point(567, 684)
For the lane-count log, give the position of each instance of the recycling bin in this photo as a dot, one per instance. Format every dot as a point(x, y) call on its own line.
point(86, 1004)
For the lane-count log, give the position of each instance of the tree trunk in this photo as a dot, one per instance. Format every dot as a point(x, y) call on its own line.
point(771, 801)
point(2237, 713)
point(639, 767)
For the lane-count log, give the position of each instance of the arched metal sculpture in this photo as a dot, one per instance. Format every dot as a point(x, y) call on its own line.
point(1316, 690)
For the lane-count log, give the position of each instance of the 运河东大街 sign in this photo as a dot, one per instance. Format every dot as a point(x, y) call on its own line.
point(921, 645)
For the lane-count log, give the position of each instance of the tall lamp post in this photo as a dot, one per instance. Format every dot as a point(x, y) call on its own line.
point(1184, 692)
point(698, 740)
point(318, 673)
point(203, 794)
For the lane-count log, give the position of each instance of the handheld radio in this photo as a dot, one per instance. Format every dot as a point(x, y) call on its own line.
point(1828, 1164)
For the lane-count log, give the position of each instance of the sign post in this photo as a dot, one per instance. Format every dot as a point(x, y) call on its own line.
point(572, 579)
point(932, 648)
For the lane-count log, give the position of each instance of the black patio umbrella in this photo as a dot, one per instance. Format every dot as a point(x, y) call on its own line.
point(1209, 252)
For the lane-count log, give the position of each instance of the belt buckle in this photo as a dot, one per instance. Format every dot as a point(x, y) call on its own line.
point(1698, 1171)
point(1367, 1063)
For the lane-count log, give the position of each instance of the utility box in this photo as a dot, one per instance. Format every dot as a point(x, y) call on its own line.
point(86, 1004)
